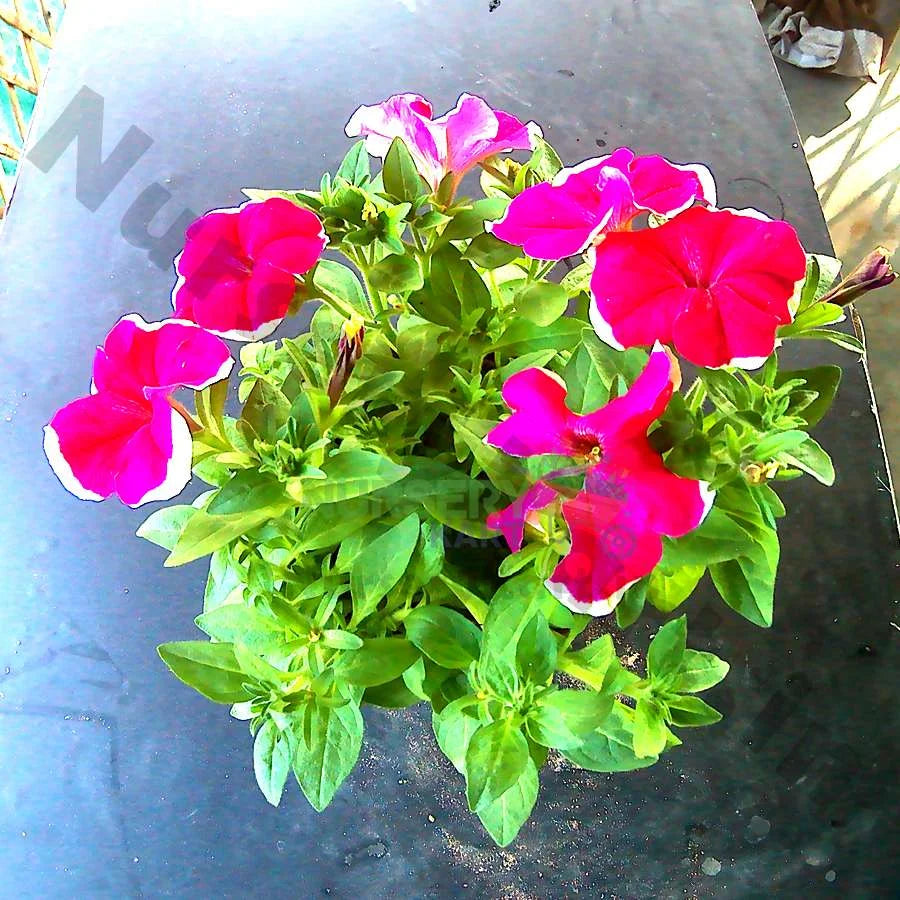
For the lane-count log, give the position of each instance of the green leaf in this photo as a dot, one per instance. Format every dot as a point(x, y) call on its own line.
point(503, 818)
point(772, 445)
point(698, 671)
point(813, 317)
point(545, 161)
point(338, 639)
point(824, 380)
point(223, 580)
point(248, 490)
point(667, 649)
point(352, 473)
point(687, 712)
point(401, 178)
point(271, 761)
point(505, 473)
point(747, 584)
point(536, 651)
point(495, 759)
point(322, 528)
point(396, 274)
point(649, 729)
point(379, 567)
point(632, 604)
point(463, 507)
point(490, 253)
point(338, 280)
point(237, 623)
point(522, 336)
point(210, 669)
point(328, 745)
point(477, 608)
point(164, 526)
point(611, 747)
point(716, 539)
point(355, 165)
point(444, 636)
point(392, 695)
point(542, 302)
point(265, 411)
point(378, 661)
point(591, 663)
point(578, 279)
point(469, 222)
point(562, 719)
point(611, 362)
point(821, 273)
point(360, 392)
point(205, 534)
point(668, 591)
point(587, 389)
point(453, 729)
point(844, 341)
point(811, 458)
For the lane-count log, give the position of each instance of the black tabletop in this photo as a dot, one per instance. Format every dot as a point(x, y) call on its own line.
point(118, 780)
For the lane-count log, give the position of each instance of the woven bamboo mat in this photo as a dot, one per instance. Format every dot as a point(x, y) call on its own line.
point(27, 30)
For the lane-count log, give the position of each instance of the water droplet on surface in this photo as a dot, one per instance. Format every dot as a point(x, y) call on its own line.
point(830, 875)
point(279, 846)
point(795, 145)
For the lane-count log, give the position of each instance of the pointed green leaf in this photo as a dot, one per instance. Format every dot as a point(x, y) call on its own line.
point(271, 761)
point(210, 669)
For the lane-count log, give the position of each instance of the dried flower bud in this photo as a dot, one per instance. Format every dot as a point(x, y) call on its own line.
point(873, 272)
point(349, 351)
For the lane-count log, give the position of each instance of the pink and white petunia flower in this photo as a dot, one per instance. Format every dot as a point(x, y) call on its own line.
point(127, 437)
point(629, 500)
point(455, 142)
point(562, 217)
point(237, 272)
point(714, 284)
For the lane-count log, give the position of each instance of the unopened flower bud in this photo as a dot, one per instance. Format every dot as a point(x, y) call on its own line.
point(873, 272)
point(349, 351)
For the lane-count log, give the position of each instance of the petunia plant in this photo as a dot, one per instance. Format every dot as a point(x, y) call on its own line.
point(507, 416)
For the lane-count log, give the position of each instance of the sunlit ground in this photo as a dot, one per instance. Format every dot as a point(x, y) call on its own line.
point(851, 134)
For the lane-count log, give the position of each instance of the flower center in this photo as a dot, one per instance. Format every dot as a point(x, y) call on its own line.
point(585, 445)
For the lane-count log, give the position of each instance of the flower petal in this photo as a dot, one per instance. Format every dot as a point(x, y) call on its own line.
point(559, 219)
point(166, 355)
point(540, 416)
point(212, 241)
point(87, 440)
point(665, 188)
point(218, 304)
point(635, 473)
point(277, 220)
point(512, 519)
point(474, 132)
point(407, 116)
point(156, 464)
point(632, 414)
point(269, 295)
point(612, 547)
point(729, 276)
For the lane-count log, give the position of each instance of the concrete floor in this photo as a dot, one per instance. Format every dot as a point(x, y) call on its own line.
point(851, 135)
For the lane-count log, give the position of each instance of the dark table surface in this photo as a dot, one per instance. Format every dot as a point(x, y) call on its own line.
point(118, 781)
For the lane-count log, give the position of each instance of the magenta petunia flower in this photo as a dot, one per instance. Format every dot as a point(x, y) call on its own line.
point(629, 498)
point(455, 142)
point(715, 284)
point(126, 437)
point(236, 274)
point(560, 218)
